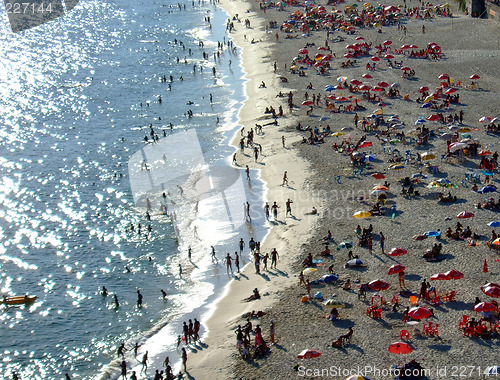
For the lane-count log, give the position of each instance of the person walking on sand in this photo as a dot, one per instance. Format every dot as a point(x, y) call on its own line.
point(382, 241)
point(247, 170)
point(124, 370)
point(272, 331)
point(289, 207)
point(184, 359)
point(275, 208)
point(283, 141)
point(274, 258)
point(214, 258)
point(285, 179)
point(247, 212)
point(242, 245)
point(402, 279)
point(237, 261)
point(121, 350)
point(229, 266)
point(266, 209)
point(144, 363)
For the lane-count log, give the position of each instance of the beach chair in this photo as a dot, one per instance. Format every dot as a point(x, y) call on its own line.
point(463, 322)
point(404, 335)
point(362, 294)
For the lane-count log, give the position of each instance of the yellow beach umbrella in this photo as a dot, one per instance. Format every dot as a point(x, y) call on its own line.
point(379, 112)
point(464, 129)
point(428, 156)
point(366, 5)
point(338, 133)
point(362, 214)
point(428, 99)
point(308, 271)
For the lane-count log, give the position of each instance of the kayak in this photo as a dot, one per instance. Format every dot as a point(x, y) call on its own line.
point(18, 300)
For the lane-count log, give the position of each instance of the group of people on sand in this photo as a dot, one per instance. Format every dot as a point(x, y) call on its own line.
point(260, 346)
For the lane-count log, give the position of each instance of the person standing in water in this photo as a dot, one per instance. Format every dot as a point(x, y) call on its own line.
point(144, 363)
point(229, 265)
point(184, 359)
point(139, 299)
point(237, 261)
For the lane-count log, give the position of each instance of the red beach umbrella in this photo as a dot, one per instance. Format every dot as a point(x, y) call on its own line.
point(450, 91)
point(397, 252)
point(484, 307)
point(419, 313)
point(366, 144)
point(359, 38)
point(443, 76)
point(348, 55)
point(438, 276)
point(412, 46)
point(308, 354)
point(375, 59)
point(406, 68)
point(454, 274)
point(307, 103)
point(365, 88)
point(432, 117)
point(367, 76)
point(356, 82)
point(303, 51)
point(406, 46)
point(400, 348)
point(491, 291)
point(387, 43)
point(377, 175)
point(423, 89)
point(465, 215)
point(377, 88)
point(383, 84)
point(388, 56)
point(378, 285)
point(475, 77)
point(396, 268)
point(338, 87)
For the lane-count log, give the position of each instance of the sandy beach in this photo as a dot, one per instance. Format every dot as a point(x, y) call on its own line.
point(323, 177)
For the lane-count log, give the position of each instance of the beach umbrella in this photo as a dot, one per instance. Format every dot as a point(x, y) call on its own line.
point(369, 158)
point(427, 156)
point(443, 76)
point(377, 175)
point(377, 88)
point(484, 153)
point(378, 285)
point(491, 291)
point(333, 304)
point(309, 271)
point(375, 59)
point(493, 224)
point(308, 354)
point(493, 284)
point(487, 189)
point(484, 307)
point(358, 377)
point(367, 76)
point(303, 51)
point(432, 233)
point(475, 77)
point(388, 56)
point(465, 215)
point(485, 119)
point(348, 55)
point(329, 278)
point(366, 144)
point(341, 79)
point(329, 87)
point(396, 268)
point(396, 166)
point(377, 192)
point(347, 129)
point(397, 252)
point(438, 277)
point(454, 274)
point(381, 187)
point(387, 43)
point(383, 84)
point(356, 82)
point(360, 38)
point(354, 263)
point(338, 87)
point(484, 172)
point(423, 89)
point(362, 214)
point(457, 146)
point(426, 105)
point(344, 245)
point(400, 348)
point(406, 68)
point(365, 88)
point(450, 91)
point(307, 103)
point(338, 134)
point(433, 117)
point(419, 313)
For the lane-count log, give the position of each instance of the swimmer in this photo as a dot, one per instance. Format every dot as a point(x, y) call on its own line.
point(117, 304)
point(163, 293)
point(104, 291)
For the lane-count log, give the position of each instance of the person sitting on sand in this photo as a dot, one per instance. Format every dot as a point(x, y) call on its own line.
point(337, 343)
point(254, 296)
point(347, 285)
point(333, 316)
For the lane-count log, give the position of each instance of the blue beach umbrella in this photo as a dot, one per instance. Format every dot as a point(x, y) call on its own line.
point(344, 245)
point(487, 189)
point(426, 105)
point(484, 172)
point(493, 224)
point(329, 278)
point(329, 87)
point(432, 233)
point(353, 263)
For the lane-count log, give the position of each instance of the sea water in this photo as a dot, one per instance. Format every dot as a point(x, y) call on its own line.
point(78, 96)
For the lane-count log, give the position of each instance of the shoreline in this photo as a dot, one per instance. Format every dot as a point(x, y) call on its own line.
point(228, 309)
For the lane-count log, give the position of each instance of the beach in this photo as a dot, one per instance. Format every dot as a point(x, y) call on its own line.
point(469, 46)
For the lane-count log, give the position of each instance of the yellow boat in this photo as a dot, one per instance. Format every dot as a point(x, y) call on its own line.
point(18, 300)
